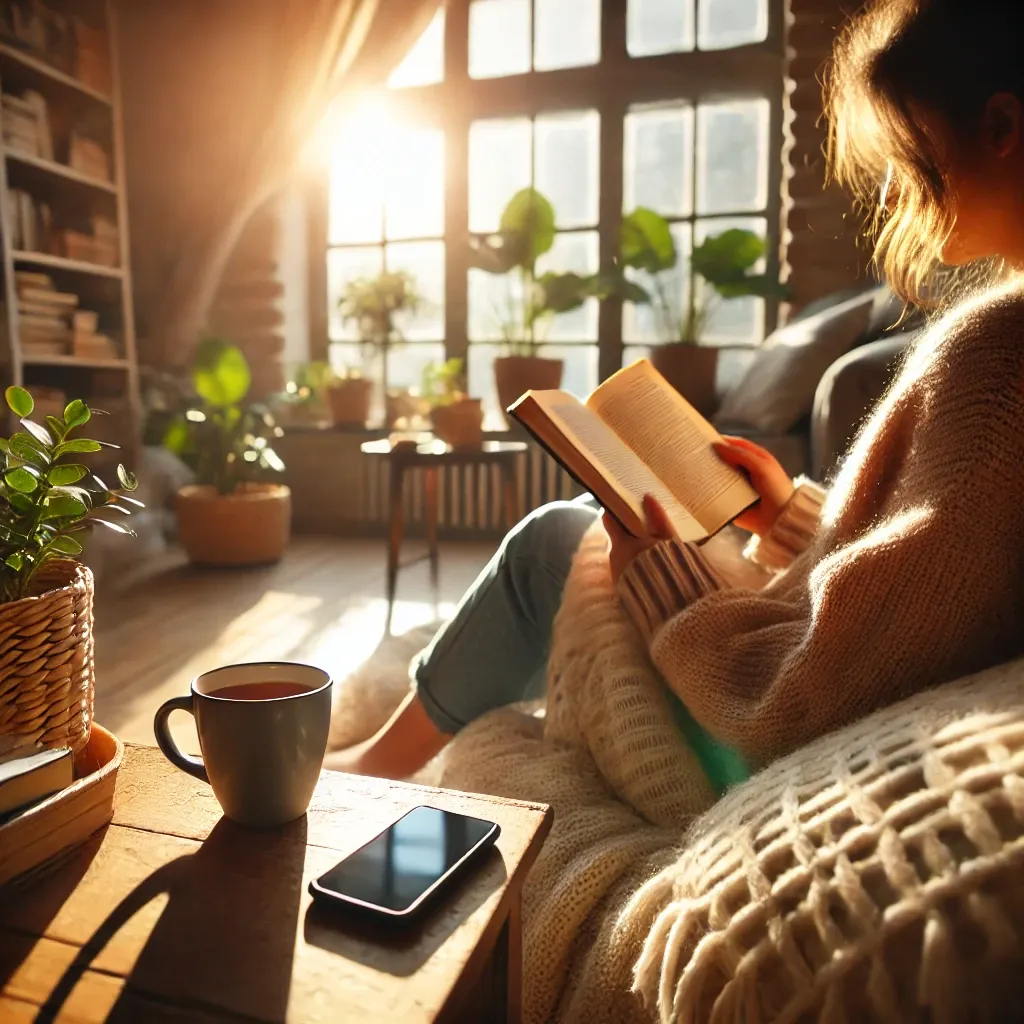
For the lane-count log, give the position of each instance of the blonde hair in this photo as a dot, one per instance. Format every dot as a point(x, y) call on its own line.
point(907, 80)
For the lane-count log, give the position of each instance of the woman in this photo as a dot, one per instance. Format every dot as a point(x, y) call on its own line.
point(915, 573)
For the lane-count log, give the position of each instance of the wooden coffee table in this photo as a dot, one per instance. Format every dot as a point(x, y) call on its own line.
point(172, 913)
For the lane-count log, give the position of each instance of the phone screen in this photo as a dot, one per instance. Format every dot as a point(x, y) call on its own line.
point(394, 870)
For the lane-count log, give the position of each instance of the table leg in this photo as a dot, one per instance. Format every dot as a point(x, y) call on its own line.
point(508, 477)
point(432, 514)
point(397, 479)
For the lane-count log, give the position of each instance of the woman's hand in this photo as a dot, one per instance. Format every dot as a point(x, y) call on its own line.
point(626, 547)
point(767, 477)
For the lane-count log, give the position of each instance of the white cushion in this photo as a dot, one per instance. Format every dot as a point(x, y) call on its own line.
point(778, 388)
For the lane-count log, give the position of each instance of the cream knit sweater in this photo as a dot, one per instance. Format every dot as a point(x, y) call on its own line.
point(915, 577)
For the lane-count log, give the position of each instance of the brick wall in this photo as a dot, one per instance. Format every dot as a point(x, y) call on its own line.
point(821, 248)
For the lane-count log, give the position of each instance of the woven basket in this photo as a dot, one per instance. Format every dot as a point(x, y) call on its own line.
point(47, 669)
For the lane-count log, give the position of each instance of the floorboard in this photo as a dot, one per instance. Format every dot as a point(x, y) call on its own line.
point(324, 604)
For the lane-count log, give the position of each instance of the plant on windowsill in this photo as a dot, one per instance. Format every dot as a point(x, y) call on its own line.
point(372, 305)
point(304, 399)
point(49, 502)
point(723, 267)
point(232, 514)
point(456, 419)
point(526, 232)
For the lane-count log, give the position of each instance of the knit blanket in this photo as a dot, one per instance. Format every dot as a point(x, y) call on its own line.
point(623, 785)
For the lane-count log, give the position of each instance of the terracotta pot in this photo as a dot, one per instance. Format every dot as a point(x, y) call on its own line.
point(400, 404)
point(350, 401)
point(690, 369)
point(46, 648)
point(249, 527)
point(460, 424)
point(515, 375)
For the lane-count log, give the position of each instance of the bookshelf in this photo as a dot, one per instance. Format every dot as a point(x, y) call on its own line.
point(66, 326)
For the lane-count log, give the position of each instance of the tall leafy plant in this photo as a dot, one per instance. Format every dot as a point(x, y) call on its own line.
point(226, 440)
point(372, 304)
point(48, 499)
point(525, 233)
point(723, 266)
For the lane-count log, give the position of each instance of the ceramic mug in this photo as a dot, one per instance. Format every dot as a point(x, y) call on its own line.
point(263, 733)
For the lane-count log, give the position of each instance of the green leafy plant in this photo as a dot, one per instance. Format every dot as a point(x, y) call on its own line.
point(526, 232)
point(372, 304)
point(48, 499)
point(442, 383)
point(723, 263)
point(226, 440)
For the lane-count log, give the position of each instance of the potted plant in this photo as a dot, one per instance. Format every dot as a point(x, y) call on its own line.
point(304, 399)
point(371, 304)
point(525, 233)
point(456, 419)
point(48, 503)
point(232, 515)
point(723, 269)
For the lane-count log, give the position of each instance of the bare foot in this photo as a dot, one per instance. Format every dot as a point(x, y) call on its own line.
point(399, 749)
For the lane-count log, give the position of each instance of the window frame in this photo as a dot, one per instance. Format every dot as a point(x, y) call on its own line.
point(611, 87)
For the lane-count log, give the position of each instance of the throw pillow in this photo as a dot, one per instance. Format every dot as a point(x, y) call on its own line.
point(778, 388)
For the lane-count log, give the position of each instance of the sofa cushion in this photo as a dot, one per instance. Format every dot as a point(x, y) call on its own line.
point(778, 388)
point(877, 874)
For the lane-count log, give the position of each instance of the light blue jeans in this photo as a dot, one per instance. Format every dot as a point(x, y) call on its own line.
point(494, 651)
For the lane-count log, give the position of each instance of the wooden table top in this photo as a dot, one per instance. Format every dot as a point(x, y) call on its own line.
point(436, 452)
point(173, 913)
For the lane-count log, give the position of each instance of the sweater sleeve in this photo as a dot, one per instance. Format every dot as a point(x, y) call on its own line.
point(918, 577)
point(793, 531)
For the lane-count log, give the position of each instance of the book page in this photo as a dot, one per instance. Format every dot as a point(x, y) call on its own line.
point(674, 440)
point(615, 461)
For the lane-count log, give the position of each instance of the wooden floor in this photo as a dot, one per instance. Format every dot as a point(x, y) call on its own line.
point(323, 604)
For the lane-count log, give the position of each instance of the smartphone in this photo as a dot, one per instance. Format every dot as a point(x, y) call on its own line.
point(395, 875)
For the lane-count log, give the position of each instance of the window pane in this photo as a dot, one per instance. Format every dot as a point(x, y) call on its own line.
point(425, 262)
point(414, 204)
point(494, 301)
point(424, 63)
point(660, 321)
point(577, 252)
point(659, 160)
point(344, 265)
point(566, 161)
point(659, 26)
point(732, 151)
point(725, 23)
point(406, 364)
point(579, 375)
point(734, 320)
point(499, 38)
point(500, 154)
point(357, 194)
point(567, 33)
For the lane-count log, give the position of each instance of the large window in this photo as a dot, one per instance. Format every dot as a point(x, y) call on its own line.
point(602, 106)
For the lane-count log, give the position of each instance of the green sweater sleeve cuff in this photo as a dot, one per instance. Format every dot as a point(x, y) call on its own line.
point(794, 530)
point(660, 582)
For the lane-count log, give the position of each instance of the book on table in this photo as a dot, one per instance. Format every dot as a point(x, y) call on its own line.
point(637, 435)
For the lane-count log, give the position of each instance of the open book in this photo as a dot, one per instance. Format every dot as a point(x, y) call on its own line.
point(637, 435)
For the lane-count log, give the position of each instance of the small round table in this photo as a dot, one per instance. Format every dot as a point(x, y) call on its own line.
point(430, 456)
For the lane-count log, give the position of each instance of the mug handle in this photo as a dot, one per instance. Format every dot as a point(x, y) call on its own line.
point(192, 765)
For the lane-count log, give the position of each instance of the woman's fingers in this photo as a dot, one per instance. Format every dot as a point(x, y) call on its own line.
point(657, 518)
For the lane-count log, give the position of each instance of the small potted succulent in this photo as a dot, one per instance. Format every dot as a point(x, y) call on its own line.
point(232, 515)
point(723, 266)
point(372, 305)
point(48, 502)
point(456, 419)
point(525, 233)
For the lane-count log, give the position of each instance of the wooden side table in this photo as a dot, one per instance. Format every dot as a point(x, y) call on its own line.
point(430, 457)
point(172, 913)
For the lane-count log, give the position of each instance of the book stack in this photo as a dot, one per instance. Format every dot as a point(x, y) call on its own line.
point(31, 221)
point(44, 315)
point(88, 157)
point(92, 57)
point(97, 245)
point(86, 343)
point(26, 124)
